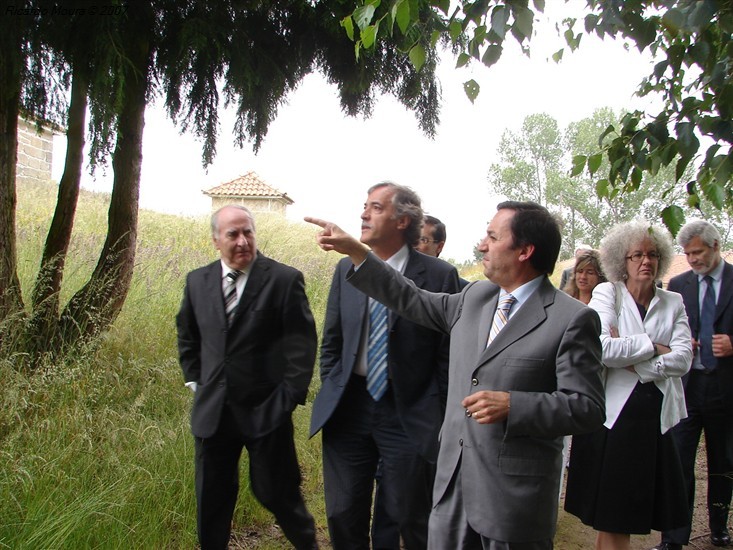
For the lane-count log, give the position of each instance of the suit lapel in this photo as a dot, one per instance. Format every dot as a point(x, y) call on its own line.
point(487, 317)
point(691, 295)
point(415, 271)
point(213, 288)
point(726, 290)
point(531, 314)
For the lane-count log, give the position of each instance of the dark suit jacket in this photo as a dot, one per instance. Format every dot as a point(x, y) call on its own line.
point(260, 366)
point(687, 285)
point(418, 357)
point(548, 357)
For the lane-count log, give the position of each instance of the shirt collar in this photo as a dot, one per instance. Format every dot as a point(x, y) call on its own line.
point(398, 260)
point(522, 293)
point(226, 270)
point(716, 273)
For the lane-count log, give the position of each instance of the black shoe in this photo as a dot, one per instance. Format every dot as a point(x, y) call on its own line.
point(667, 546)
point(720, 537)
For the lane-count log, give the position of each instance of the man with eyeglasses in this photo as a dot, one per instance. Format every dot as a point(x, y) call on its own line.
point(432, 236)
point(707, 292)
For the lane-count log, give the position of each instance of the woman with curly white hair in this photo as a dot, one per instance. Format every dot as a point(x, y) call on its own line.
point(626, 478)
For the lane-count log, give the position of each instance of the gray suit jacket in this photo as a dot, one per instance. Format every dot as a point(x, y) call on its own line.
point(548, 357)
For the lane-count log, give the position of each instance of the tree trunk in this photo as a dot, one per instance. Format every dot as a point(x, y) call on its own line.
point(95, 306)
point(45, 298)
point(11, 67)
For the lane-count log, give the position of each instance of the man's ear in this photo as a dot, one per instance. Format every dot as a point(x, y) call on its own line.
point(403, 222)
point(526, 252)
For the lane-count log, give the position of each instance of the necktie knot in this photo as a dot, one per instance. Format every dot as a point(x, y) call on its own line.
point(506, 303)
point(233, 276)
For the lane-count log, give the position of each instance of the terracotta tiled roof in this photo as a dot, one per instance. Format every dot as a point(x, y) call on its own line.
point(248, 185)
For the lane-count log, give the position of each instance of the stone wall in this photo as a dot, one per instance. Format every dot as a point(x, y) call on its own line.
point(35, 153)
point(269, 205)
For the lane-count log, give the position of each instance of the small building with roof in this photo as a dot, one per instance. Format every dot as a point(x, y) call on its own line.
point(250, 191)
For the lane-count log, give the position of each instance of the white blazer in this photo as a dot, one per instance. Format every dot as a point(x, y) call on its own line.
point(665, 323)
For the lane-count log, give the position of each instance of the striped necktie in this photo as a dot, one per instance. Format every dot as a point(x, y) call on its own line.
point(230, 294)
point(707, 326)
point(377, 351)
point(501, 316)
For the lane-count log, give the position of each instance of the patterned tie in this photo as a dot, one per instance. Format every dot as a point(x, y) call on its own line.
point(230, 294)
point(377, 351)
point(501, 316)
point(707, 319)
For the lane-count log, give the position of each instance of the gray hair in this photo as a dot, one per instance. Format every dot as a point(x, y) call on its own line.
point(699, 228)
point(615, 247)
point(215, 217)
point(406, 203)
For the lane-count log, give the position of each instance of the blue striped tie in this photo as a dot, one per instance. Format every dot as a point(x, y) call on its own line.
point(377, 351)
point(501, 316)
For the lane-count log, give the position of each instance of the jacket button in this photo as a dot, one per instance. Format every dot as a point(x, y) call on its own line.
point(474, 381)
point(460, 442)
point(468, 412)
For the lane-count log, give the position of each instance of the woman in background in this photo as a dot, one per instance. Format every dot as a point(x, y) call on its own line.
point(626, 477)
point(587, 274)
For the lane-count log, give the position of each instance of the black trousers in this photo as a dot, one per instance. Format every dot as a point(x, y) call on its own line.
point(274, 477)
point(359, 433)
point(706, 412)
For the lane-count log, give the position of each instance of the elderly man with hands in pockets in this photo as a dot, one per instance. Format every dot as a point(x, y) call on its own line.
point(247, 345)
point(524, 370)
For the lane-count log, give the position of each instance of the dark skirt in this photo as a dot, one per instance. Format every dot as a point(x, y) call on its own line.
point(628, 479)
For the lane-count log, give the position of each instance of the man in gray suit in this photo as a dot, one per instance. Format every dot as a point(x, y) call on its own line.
point(517, 384)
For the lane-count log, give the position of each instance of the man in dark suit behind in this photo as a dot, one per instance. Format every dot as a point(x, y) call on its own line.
point(709, 384)
point(401, 425)
point(247, 343)
point(516, 385)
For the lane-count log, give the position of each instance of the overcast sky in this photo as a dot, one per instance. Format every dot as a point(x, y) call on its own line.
point(325, 161)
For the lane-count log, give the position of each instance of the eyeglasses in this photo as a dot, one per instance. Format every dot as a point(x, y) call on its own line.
point(425, 240)
point(637, 256)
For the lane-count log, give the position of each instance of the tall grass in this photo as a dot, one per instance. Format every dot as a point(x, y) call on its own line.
point(95, 451)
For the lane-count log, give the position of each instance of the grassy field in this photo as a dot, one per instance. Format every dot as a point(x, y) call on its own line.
point(95, 452)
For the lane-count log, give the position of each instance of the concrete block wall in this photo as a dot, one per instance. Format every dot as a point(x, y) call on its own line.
point(35, 153)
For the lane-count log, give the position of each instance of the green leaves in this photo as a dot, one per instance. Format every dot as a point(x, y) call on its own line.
point(401, 14)
point(578, 165)
point(692, 44)
point(472, 89)
point(673, 217)
point(417, 56)
point(363, 15)
point(492, 55)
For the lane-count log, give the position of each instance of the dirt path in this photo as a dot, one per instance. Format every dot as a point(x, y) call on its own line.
point(574, 535)
point(571, 534)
